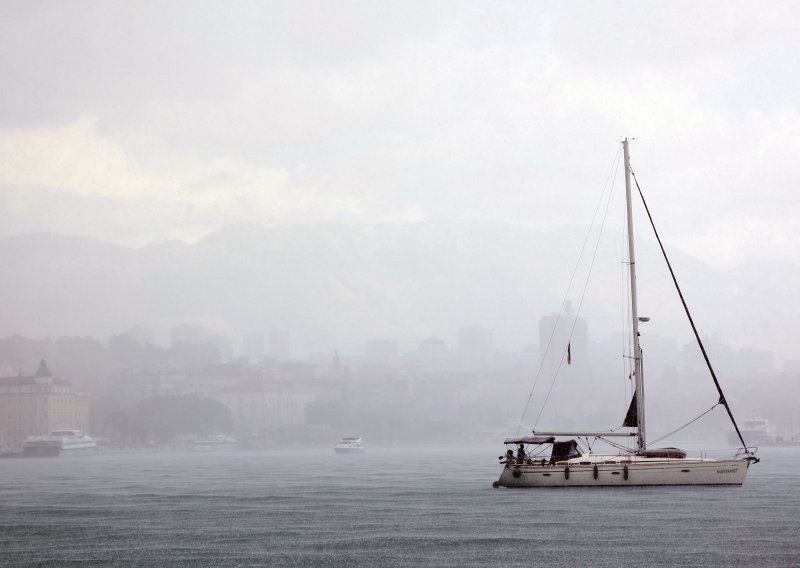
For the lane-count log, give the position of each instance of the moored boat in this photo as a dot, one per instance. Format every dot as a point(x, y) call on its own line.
point(556, 459)
point(551, 463)
point(215, 442)
point(758, 431)
point(350, 445)
point(6, 452)
point(59, 443)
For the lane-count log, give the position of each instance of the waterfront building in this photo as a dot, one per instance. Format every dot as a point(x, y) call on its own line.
point(39, 404)
point(261, 405)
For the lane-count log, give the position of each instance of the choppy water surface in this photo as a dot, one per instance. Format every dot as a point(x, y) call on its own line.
point(386, 508)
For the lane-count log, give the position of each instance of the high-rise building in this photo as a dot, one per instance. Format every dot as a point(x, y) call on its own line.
point(254, 347)
point(193, 335)
point(563, 343)
point(381, 352)
point(279, 344)
point(475, 345)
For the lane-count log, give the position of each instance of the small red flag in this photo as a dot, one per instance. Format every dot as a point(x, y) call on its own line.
point(569, 353)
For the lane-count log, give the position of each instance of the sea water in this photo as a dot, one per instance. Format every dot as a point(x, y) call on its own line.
point(388, 507)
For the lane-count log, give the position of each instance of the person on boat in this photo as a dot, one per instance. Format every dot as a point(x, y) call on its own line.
point(521, 454)
point(509, 455)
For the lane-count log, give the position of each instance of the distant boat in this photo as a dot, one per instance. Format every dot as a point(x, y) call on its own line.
point(542, 460)
point(757, 431)
point(6, 452)
point(215, 442)
point(59, 443)
point(350, 446)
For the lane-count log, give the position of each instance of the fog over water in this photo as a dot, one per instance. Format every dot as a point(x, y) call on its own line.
point(269, 227)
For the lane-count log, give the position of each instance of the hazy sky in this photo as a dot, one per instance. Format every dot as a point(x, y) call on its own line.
point(141, 121)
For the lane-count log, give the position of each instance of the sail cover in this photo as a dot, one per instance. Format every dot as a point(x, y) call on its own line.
point(563, 451)
point(632, 417)
point(663, 453)
point(530, 440)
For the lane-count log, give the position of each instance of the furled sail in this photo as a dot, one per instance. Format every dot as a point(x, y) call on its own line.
point(632, 417)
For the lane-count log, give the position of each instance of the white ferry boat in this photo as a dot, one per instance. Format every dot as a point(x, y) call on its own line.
point(215, 442)
point(59, 443)
point(350, 446)
point(757, 431)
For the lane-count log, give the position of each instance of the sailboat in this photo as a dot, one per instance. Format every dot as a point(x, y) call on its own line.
point(554, 459)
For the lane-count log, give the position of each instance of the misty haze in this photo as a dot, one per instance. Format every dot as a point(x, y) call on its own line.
point(350, 284)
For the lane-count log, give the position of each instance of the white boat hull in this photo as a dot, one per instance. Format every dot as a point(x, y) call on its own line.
point(85, 450)
point(59, 443)
point(56, 449)
point(213, 447)
point(350, 445)
point(637, 473)
point(339, 450)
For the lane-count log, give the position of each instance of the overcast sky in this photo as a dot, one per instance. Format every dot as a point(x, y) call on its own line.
point(136, 122)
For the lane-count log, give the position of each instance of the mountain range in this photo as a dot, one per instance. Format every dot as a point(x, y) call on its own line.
point(337, 285)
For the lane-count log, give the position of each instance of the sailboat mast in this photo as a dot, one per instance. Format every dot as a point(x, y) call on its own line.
point(637, 350)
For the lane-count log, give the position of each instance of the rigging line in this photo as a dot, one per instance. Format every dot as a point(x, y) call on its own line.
point(580, 304)
point(569, 286)
point(722, 399)
point(657, 440)
point(616, 445)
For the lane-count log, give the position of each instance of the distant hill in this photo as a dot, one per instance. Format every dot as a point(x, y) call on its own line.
point(338, 285)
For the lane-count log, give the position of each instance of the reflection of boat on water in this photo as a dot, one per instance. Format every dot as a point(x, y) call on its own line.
point(757, 431)
point(352, 445)
point(59, 443)
point(215, 442)
point(544, 460)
